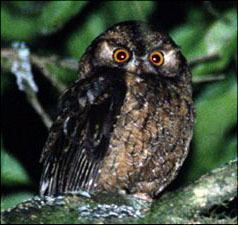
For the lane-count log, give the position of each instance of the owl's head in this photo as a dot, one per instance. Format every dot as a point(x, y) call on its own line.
point(134, 47)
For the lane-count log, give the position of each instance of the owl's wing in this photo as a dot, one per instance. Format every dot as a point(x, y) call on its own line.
point(79, 137)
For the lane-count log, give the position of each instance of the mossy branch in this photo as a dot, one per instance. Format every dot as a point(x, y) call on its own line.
point(188, 205)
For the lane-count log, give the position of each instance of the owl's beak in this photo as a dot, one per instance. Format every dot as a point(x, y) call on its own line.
point(135, 67)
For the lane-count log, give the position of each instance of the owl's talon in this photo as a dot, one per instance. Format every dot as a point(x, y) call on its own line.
point(143, 196)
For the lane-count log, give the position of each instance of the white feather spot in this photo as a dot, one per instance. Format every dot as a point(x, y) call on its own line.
point(90, 96)
point(82, 102)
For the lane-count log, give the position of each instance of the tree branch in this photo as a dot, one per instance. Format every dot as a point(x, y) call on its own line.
point(203, 59)
point(208, 78)
point(41, 63)
point(33, 100)
point(18, 63)
point(188, 205)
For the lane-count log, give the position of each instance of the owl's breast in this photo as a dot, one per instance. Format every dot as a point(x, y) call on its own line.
point(146, 131)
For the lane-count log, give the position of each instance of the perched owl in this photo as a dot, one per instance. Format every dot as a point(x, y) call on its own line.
point(126, 124)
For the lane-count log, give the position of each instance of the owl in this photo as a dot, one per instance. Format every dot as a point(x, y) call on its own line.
point(126, 124)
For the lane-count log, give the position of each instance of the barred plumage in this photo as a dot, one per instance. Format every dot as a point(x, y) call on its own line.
point(126, 124)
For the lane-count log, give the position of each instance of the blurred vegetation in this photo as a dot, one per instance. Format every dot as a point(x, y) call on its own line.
point(66, 28)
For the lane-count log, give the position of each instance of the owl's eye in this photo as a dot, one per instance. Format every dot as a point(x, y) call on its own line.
point(157, 58)
point(121, 55)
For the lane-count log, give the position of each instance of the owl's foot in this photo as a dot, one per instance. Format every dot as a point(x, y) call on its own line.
point(143, 196)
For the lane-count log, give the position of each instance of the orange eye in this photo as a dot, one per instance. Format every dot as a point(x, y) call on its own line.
point(121, 55)
point(157, 58)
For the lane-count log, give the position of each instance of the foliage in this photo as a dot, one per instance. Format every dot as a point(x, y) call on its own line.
point(66, 28)
point(12, 173)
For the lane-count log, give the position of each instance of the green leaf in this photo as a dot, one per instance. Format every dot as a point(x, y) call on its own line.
point(229, 151)
point(12, 200)
point(117, 11)
point(25, 8)
point(221, 38)
point(56, 13)
point(16, 27)
point(81, 39)
point(185, 36)
point(189, 35)
point(12, 172)
point(216, 114)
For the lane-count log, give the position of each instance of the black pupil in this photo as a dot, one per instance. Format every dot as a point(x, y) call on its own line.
point(121, 55)
point(156, 58)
